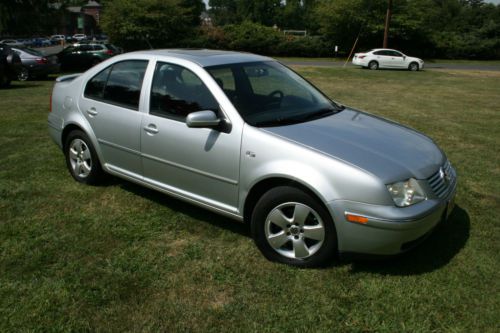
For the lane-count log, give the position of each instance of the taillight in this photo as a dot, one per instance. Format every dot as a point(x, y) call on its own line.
point(41, 60)
point(361, 56)
point(109, 52)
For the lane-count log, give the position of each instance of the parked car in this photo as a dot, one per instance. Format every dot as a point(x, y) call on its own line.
point(387, 58)
point(247, 137)
point(57, 39)
point(10, 64)
point(85, 55)
point(79, 37)
point(35, 64)
point(40, 42)
point(11, 42)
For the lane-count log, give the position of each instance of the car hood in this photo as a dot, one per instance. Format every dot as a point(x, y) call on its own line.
point(386, 149)
point(413, 59)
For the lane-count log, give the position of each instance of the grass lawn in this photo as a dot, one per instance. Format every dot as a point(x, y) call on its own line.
point(122, 258)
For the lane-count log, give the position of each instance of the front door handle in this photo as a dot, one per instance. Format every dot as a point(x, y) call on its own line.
point(151, 129)
point(92, 112)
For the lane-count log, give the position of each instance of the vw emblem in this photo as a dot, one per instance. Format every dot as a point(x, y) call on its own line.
point(444, 175)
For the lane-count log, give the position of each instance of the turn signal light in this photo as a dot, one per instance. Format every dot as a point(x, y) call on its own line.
point(356, 218)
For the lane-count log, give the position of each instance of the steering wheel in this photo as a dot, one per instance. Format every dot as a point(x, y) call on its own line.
point(275, 98)
point(276, 93)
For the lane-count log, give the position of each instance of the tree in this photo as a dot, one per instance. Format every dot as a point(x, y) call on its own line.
point(266, 12)
point(150, 23)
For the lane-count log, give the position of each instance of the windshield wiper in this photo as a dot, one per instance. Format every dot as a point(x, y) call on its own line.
point(277, 122)
point(320, 114)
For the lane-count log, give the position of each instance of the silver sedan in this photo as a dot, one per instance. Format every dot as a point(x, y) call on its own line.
point(247, 137)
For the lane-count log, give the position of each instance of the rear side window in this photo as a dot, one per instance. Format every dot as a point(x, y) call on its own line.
point(95, 87)
point(85, 48)
point(119, 84)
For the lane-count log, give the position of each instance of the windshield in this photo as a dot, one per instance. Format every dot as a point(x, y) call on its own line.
point(270, 94)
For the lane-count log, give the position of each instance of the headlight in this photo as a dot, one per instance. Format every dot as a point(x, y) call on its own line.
point(406, 193)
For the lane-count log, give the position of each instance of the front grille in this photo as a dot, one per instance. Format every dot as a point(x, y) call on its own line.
point(443, 180)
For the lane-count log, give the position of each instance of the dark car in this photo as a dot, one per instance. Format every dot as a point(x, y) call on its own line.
point(35, 64)
point(40, 42)
point(85, 55)
point(10, 64)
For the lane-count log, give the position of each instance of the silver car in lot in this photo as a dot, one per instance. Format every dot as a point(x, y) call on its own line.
point(244, 136)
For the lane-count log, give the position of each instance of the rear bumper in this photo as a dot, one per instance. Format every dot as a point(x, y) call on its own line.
point(390, 230)
point(359, 62)
point(55, 129)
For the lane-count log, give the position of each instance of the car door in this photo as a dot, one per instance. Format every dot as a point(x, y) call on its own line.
point(201, 164)
point(110, 103)
point(397, 60)
point(382, 58)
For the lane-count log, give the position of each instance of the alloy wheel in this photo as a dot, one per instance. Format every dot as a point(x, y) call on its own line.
point(80, 158)
point(294, 230)
point(23, 74)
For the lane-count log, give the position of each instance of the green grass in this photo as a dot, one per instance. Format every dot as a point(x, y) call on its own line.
point(122, 258)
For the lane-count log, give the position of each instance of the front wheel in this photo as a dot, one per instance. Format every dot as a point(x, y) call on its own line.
point(292, 227)
point(413, 67)
point(81, 158)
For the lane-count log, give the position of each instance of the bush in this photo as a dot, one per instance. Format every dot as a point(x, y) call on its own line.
point(252, 37)
point(309, 46)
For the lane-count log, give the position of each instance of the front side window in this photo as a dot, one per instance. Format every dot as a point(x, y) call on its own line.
point(176, 92)
point(270, 94)
point(119, 84)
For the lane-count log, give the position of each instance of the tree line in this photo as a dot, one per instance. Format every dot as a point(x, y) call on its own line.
point(426, 28)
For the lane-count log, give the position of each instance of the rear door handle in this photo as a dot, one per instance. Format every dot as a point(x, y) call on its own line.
point(92, 112)
point(151, 129)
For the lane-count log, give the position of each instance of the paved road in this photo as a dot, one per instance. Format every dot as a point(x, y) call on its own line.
point(433, 65)
point(322, 63)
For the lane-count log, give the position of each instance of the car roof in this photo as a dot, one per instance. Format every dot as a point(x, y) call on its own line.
point(206, 57)
point(384, 50)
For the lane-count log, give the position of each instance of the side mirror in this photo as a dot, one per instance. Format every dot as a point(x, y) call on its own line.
point(202, 119)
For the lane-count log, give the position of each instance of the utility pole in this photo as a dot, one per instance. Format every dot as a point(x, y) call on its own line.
point(387, 21)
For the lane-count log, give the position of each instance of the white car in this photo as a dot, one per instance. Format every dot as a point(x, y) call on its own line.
point(387, 58)
point(12, 42)
point(79, 37)
point(58, 38)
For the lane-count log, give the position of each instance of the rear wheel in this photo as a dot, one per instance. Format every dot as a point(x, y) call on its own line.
point(23, 74)
point(373, 65)
point(292, 227)
point(81, 158)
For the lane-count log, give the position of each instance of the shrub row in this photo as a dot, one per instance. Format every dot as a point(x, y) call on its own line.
point(256, 38)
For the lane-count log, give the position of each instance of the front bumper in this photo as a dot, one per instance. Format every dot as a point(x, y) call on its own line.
point(390, 230)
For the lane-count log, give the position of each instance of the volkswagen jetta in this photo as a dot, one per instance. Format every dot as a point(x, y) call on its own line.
point(245, 136)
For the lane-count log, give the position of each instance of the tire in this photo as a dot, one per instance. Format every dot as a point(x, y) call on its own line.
point(413, 67)
point(292, 227)
point(373, 65)
point(23, 75)
point(81, 158)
